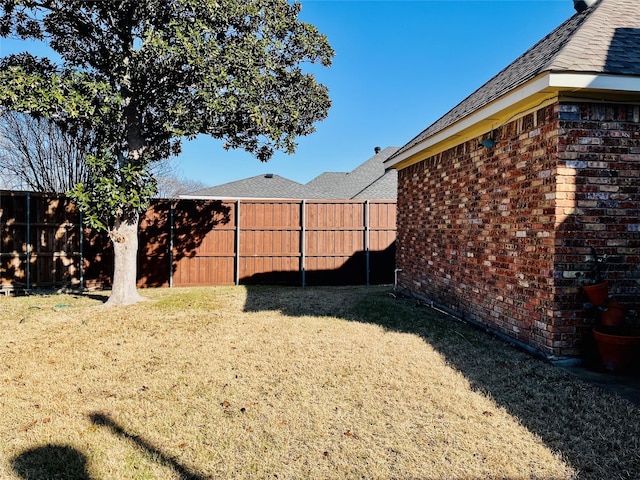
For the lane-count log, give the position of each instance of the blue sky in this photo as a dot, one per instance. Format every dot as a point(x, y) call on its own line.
point(399, 66)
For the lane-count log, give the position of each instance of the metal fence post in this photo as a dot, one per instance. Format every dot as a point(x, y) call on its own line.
point(303, 242)
point(171, 233)
point(367, 239)
point(81, 249)
point(28, 241)
point(237, 253)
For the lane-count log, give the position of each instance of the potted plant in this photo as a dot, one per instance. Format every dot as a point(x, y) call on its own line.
point(594, 283)
point(596, 287)
point(611, 314)
point(618, 344)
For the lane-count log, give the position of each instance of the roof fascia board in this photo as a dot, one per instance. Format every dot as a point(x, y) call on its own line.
point(621, 83)
point(534, 94)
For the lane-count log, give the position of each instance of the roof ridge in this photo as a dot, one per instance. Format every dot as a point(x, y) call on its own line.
point(568, 30)
point(577, 42)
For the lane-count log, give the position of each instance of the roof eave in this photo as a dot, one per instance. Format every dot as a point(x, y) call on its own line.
point(543, 89)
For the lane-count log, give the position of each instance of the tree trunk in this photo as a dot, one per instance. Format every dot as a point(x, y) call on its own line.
point(124, 237)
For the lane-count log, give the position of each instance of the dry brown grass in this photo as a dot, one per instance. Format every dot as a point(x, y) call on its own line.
point(288, 383)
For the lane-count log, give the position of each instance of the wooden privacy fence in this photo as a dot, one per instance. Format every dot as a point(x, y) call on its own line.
point(202, 242)
point(40, 241)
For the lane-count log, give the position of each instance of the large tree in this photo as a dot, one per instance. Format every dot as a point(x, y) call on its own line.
point(144, 74)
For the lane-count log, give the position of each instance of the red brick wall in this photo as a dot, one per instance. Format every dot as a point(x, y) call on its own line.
point(497, 234)
point(599, 186)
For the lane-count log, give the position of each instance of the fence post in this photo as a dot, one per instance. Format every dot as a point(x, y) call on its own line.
point(2, 222)
point(81, 249)
point(366, 239)
point(237, 253)
point(303, 242)
point(28, 241)
point(171, 233)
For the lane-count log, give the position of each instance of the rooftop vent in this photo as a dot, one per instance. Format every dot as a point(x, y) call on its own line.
point(268, 175)
point(377, 150)
point(582, 5)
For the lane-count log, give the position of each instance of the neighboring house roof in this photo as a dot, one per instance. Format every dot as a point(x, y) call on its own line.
point(386, 187)
point(367, 181)
point(260, 186)
point(338, 185)
point(597, 49)
point(326, 184)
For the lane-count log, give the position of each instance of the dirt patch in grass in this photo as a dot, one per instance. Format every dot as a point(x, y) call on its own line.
point(263, 382)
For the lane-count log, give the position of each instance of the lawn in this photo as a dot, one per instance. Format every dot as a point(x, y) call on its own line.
point(261, 382)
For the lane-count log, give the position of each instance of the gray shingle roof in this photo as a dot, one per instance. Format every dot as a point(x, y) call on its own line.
point(384, 188)
point(344, 186)
point(260, 186)
point(604, 38)
point(326, 184)
point(367, 181)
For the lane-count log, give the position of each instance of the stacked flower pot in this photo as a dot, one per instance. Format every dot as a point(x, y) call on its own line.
point(618, 343)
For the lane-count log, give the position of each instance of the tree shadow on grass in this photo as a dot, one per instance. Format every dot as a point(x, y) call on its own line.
point(597, 432)
point(100, 419)
point(50, 462)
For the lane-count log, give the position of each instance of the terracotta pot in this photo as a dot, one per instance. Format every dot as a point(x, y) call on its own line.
point(619, 347)
point(612, 314)
point(597, 293)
